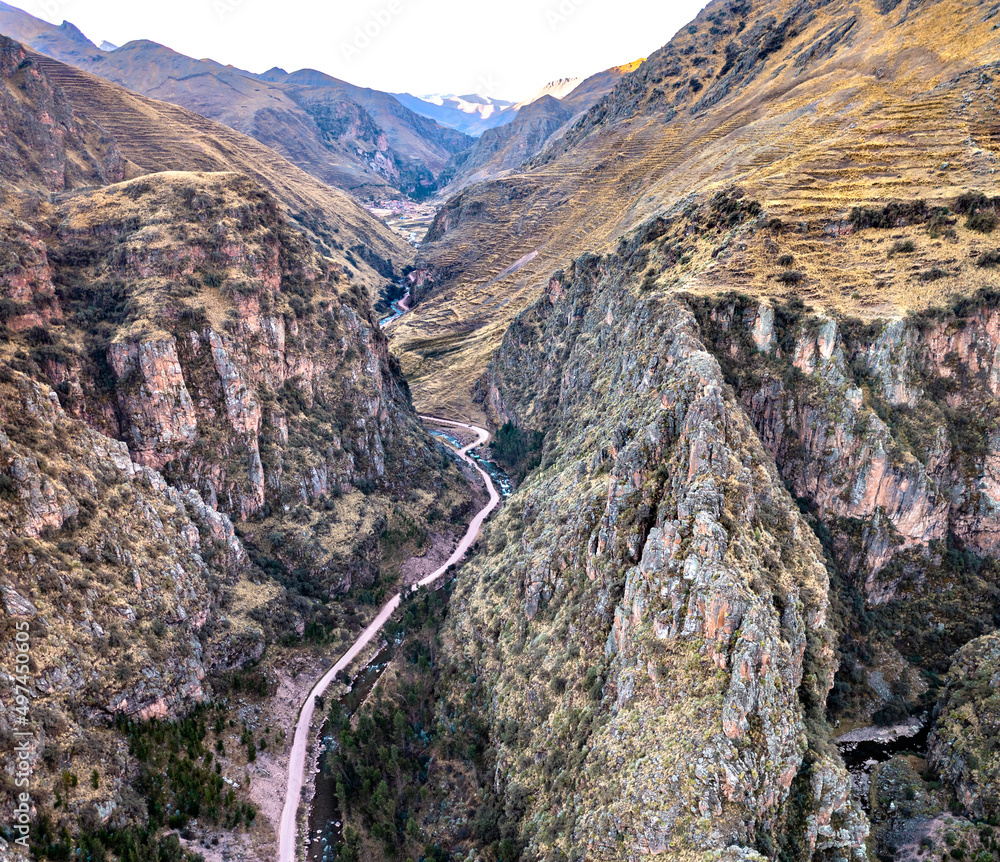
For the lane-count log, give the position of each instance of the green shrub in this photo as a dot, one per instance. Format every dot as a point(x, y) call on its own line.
point(517, 450)
point(970, 202)
point(933, 274)
point(9, 308)
point(891, 215)
point(982, 222)
point(791, 276)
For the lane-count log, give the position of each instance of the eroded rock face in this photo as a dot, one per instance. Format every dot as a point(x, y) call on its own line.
point(233, 370)
point(26, 292)
point(962, 746)
point(159, 410)
point(226, 353)
point(133, 595)
point(887, 427)
point(97, 548)
point(651, 611)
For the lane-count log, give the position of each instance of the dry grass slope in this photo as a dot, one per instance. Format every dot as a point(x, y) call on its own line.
point(824, 107)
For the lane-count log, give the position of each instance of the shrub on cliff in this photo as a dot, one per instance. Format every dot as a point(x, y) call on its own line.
point(982, 212)
point(891, 215)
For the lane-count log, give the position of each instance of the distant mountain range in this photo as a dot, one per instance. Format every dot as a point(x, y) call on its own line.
point(369, 143)
point(475, 114)
point(557, 89)
point(472, 114)
point(529, 127)
point(359, 140)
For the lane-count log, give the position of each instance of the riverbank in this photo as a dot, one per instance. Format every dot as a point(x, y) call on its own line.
point(305, 745)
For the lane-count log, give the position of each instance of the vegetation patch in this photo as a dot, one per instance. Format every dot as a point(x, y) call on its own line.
point(982, 213)
point(518, 451)
point(393, 755)
point(893, 215)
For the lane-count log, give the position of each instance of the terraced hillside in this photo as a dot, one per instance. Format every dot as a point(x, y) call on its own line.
point(813, 108)
point(156, 136)
point(356, 139)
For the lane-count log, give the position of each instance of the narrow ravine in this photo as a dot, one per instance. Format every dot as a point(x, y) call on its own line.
point(398, 307)
point(288, 831)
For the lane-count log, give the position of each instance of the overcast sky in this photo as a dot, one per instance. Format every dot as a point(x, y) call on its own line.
point(506, 49)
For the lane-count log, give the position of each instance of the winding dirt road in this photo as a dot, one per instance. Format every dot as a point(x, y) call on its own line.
point(296, 764)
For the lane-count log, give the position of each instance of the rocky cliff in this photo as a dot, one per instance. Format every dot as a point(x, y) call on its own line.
point(887, 424)
point(205, 445)
point(651, 613)
point(967, 721)
point(631, 556)
point(201, 330)
point(132, 594)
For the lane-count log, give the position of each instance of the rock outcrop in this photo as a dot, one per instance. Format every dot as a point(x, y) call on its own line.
point(886, 426)
point(206, 334)
point(115, 572)
point(651, 612)
point(966, 727)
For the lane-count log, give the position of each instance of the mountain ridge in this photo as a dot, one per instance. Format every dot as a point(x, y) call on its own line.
point(372, 147)
point(688, 122)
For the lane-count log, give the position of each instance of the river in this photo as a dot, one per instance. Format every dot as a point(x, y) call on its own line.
point(288, 826)
point(866, 748)
point(399, 308)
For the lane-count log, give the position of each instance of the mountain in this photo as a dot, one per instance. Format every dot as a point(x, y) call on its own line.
point(738, 331)
point(356, 139)
point(691, 122)
point(507, 147)
point(476, 114)
point(471, 114)
point(205, 445)
point(536, 123)
point(418, 142)
point(557, 89)
point(156, 136)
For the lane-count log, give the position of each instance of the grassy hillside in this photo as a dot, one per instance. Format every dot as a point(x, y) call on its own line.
point(812, 108)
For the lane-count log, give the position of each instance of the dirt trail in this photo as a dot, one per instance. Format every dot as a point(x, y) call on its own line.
point(287, 832)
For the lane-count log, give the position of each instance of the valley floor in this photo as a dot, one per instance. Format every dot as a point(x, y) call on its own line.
point(304, 742)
